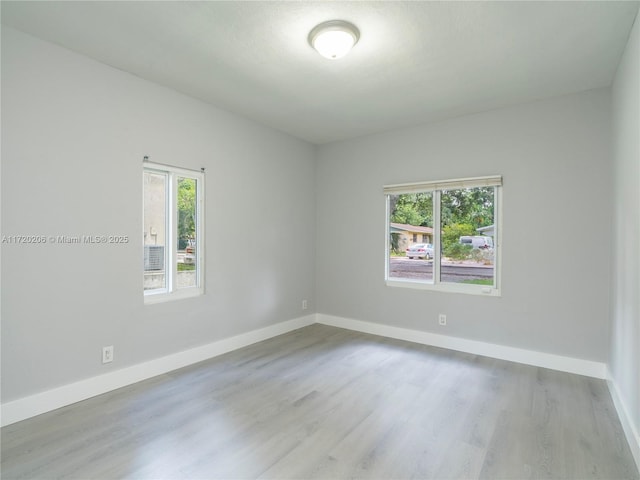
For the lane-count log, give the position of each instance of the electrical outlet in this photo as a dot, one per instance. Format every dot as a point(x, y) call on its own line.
point(442, 319)
point(304, 304)
point(107, 354)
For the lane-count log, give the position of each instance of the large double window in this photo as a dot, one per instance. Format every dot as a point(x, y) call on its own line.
point(445, 235)
point(172, 238)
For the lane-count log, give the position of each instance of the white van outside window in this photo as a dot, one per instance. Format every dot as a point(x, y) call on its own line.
point(477, 241)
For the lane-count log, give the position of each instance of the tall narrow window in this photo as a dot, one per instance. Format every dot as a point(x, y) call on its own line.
point(460, 228)
point(173, 246)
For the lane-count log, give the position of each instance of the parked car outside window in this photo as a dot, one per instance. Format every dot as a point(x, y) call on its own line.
point(420, 250)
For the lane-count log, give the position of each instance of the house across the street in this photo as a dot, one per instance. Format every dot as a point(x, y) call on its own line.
point(410, 234)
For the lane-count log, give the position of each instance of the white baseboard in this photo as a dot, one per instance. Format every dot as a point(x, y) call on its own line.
point(630, 430)
point(33, 405)
point(518, 355)
point(43, 402)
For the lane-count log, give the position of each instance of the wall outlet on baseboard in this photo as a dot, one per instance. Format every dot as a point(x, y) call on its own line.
point(107, 354)
point(304, 304)
point(442, 319)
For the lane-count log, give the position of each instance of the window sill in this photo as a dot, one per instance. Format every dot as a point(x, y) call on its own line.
point(482, 290)
point(152, 298)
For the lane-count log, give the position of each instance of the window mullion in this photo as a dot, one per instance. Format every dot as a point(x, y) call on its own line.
point(167, 234)
point(387, 236)
point(437, 230)
point(199, 251)
point(497, 221)
point(172, 213)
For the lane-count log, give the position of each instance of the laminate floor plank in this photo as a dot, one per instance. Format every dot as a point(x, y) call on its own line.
point(321, 403)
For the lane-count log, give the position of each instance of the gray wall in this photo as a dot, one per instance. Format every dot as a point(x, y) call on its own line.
point(74, 133)
point(555, 160)
point(624, 362)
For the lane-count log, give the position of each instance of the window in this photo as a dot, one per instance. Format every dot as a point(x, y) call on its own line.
point(172, 240)
point(463, 217)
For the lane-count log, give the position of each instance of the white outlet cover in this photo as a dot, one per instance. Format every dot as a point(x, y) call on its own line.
point(107, 354)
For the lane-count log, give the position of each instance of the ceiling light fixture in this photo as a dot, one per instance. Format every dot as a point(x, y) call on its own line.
point(334, 39)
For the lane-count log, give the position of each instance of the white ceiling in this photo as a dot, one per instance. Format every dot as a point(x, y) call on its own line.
point(415, 62)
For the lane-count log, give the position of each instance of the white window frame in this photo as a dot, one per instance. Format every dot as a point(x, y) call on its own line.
point(171, 290)
point(436, 188)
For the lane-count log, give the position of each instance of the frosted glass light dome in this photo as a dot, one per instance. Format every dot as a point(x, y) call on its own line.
point(334, 39)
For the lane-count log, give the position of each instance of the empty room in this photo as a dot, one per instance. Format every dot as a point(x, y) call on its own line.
point(320, 240)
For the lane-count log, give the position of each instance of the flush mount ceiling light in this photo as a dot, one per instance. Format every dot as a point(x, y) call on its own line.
point(334, 39)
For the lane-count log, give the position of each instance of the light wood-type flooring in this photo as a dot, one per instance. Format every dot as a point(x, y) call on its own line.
point(327, 403)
